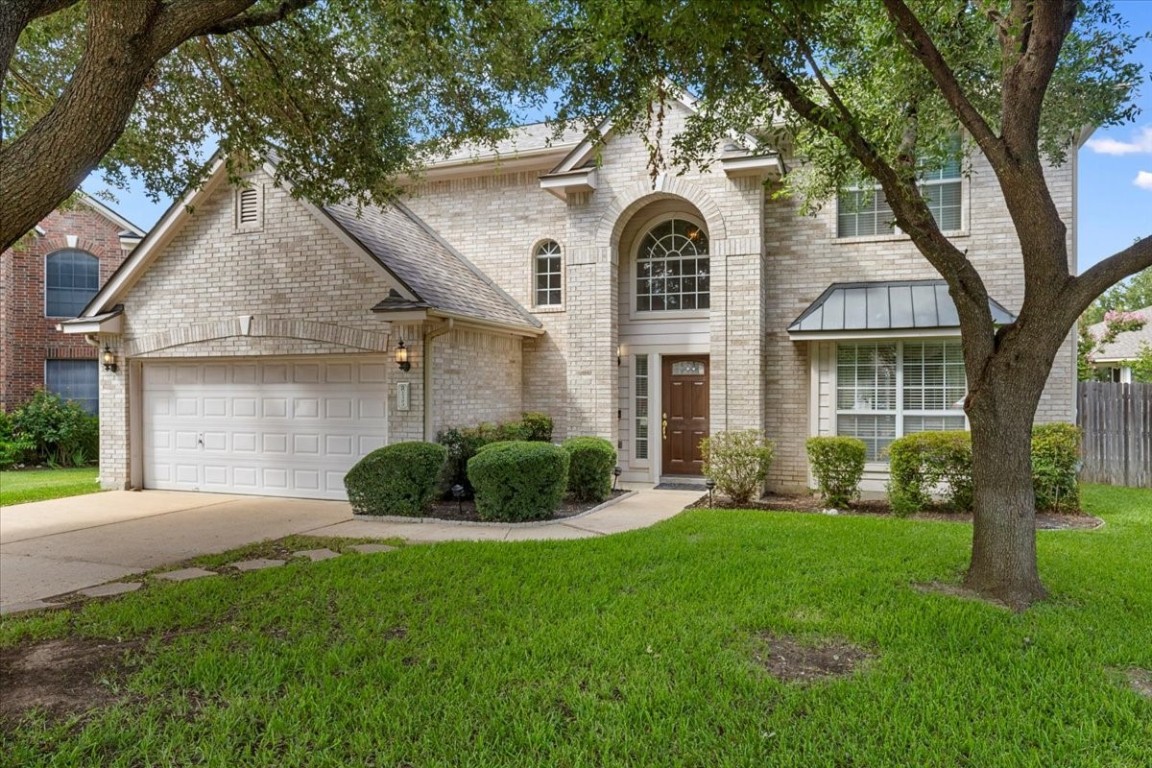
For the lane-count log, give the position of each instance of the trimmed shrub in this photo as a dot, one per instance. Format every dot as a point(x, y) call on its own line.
point(464, 442)
point(591, 461)
point(537, 426)
point(519, 480)
point(54, 432)
point(921, 462)
point(838, 464)
point(398, 479)
point(737, 462)
point(1055, 462)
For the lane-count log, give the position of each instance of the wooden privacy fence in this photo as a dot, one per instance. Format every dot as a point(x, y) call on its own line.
point(1117, 424)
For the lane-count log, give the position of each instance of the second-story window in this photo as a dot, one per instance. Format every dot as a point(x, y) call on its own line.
point(71, 279)
point(864, 211)
point(548, 274)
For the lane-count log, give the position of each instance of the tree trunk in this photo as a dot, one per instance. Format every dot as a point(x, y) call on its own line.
point(1003, 563)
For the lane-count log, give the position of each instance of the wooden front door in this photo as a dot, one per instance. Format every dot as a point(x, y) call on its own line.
point(684, 421)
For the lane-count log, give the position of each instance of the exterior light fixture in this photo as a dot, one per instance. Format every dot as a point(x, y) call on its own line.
point(402, 357)
point(458, 494)
point(710, 484)
point(616, 472)
point(108, 357)
point(619, 353)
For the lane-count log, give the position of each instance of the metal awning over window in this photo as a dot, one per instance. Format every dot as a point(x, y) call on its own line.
point(883, 308)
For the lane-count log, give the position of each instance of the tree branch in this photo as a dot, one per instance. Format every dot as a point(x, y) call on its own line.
point(263, 19)
point(925, 50)
point(1082, 291)
point(1030, 59)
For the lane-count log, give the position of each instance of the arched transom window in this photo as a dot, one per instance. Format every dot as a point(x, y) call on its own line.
point(71, 279)
point(549, 290)
point(672, 268)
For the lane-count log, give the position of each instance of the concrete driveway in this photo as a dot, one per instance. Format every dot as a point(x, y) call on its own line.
point(51, 547)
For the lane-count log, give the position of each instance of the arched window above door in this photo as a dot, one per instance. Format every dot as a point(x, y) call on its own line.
point(672, 267)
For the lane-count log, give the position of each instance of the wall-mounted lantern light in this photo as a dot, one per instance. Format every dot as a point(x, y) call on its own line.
point(109, 359)
point(402, 357)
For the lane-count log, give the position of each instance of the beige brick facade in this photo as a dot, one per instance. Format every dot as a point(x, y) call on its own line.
point(306, 292)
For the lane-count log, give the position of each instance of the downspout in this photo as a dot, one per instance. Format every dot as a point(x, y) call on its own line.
point(428, 337)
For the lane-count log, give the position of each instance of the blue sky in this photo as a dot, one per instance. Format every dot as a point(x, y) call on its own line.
point(1115, 186)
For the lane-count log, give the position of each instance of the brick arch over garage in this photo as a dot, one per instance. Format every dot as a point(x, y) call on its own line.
point(633, 198)
point(353, 338)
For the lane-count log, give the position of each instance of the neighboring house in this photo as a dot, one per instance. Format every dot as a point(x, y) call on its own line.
point(1115, 357)
point(259, 336)
point(50, 276)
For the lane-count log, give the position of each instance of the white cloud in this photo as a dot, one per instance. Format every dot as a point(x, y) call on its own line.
point(1143, 180)
point(1140, 145)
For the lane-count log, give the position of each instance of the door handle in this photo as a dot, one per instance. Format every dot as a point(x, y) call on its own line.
point(664, 428)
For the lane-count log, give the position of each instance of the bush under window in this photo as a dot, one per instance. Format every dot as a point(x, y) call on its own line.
point(1055, 463)
point(52, 431)
point(838, 465)
point(464, 442)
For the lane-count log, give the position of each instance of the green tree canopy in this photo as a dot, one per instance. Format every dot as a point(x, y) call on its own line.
point(347, 93)
point(877, 91)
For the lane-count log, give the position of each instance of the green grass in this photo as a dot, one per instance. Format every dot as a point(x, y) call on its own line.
point(41, 484)
point(630, 650)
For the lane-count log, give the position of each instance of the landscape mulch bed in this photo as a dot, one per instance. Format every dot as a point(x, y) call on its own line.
point(880, 508)
point(465, 511)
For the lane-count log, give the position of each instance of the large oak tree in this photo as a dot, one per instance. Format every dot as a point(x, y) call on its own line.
point(876, 92)
point(348, 93)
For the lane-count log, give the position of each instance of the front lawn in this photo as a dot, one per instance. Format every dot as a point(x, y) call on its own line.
point(40, 484)
point(639, 649)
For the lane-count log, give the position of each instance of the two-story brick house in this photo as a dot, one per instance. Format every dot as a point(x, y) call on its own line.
point(50, 276)
point(260, 336)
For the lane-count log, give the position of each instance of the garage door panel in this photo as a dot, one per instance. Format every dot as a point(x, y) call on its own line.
point(306, 445)
point(275, 428)
point(305, 408)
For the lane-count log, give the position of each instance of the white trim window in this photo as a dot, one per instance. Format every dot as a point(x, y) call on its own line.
point(885, 390)
point(640, 449)
point(673, 268)
point(71, 280)
point(547, 268)
point(864, 211)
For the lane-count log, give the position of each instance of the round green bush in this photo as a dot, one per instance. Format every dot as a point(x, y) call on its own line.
point(838, 465)
point(398, 479)
point(591, 461)
point(518, 480)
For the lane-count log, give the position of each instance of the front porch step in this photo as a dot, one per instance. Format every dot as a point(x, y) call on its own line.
point(681, 483)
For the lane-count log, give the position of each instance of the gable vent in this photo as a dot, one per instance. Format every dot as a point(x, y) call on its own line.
point(249, 206)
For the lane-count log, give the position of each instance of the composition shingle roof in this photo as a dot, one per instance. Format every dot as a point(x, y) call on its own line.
point(524, 138)
point(1126, 345)
point(435, 273)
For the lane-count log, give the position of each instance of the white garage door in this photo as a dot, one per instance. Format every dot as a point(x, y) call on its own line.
point(271, 428)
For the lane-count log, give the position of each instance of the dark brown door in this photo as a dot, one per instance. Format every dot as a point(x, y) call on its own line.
point(684, 422)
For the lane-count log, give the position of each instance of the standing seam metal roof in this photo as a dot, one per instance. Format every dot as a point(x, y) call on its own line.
point(886, 305)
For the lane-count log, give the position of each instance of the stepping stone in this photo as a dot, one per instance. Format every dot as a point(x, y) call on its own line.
point(316, 555)
point(35, 605)
point(370, 549)
point(115, 588)
point(258, 564)
point(185, 574)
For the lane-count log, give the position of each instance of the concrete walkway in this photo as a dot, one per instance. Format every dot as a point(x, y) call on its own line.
point(51, 548)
